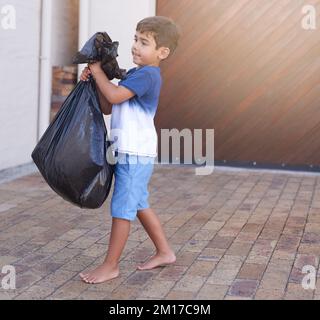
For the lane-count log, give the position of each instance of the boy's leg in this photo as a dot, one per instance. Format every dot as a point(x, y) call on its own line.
point(110, 268)
point(152, 225)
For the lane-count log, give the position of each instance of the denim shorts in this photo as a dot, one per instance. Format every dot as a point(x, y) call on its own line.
point(132, 174)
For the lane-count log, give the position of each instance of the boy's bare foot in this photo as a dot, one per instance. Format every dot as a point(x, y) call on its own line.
point(100, 274)
point(158, 260)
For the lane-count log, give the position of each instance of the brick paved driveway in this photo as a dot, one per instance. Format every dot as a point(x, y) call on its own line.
point(237, 235)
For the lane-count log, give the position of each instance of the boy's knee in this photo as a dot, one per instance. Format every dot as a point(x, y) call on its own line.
point(129, 217)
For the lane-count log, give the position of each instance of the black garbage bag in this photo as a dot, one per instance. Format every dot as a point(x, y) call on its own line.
point(100, 47)
point(71, 154)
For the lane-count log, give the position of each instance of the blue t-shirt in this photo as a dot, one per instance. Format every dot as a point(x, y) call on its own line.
point(132, 121)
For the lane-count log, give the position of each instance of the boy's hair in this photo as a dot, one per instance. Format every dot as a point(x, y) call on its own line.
point(165, 31)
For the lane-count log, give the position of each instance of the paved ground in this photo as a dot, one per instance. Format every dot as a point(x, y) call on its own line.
point(237, 235)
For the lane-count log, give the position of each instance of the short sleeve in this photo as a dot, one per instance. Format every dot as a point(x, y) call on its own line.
point(139, 82)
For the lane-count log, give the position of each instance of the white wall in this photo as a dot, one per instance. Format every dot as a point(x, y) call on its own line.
point(20, 72)
point(19, 78)
point(119, 19)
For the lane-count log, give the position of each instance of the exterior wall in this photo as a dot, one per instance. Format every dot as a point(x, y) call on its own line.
point(19, 78)
point(20, 72)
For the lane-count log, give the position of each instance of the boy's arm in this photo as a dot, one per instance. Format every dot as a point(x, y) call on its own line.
point(113, 93)
point(106, 106)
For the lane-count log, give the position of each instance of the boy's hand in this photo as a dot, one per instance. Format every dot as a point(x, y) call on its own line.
point(85, 74)
point(95, 68)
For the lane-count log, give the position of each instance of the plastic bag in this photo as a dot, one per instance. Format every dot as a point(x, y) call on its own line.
point(101, 48)
point(71, 154)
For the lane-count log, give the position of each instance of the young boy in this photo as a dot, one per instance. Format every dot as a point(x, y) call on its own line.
point(134, 102)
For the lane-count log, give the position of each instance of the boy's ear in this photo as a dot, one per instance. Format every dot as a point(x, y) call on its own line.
point(164, 53)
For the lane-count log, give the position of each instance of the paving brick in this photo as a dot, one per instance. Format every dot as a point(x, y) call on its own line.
point(190, 283)
point(201, 268)
point(269, 294)
point(78, 263)
point(172, 272)
point(220, 242)
point(73, 234)
point(252, 228)
point(124, 292)
point(182, 236)
point(240, 248)
point(96, 250)
point(252, 271)
point(70, 290)
point(308, 248)
point(204, 234)
point(54, 246)
point(169, 232)
point(57, 278)
point(274, 280)
point(45, 268)
point(8, 294)
point(139, 278)
point(311, 237)
point(157, 288)
point(7, 259)
point(229, 297)
point(288, 243)
point(185, 258)
point(269, 234)
point(213, 225)
point(211, 254)
point(243, 288)
point(226, 270)
point(222, 276)
point(195, 245)
point(312, 227)
point(64, 255)
point(261, 251)
point(94, 295)
point(282, 254)
point(212, 292)
point(140, 254)
point(25, 280)
point(247, 236)
point(35, 292)
point(180, 295)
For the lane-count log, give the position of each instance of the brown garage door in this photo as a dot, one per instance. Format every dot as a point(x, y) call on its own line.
point(249, 70)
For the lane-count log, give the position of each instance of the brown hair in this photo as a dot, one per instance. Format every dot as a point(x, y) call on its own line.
point(165, 31)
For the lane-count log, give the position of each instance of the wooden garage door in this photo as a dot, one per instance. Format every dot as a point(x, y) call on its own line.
point(249, 70)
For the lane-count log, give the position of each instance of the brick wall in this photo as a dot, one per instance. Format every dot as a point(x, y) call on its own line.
point(64, 79)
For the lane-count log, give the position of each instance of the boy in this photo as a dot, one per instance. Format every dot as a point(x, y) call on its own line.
point(134, 102)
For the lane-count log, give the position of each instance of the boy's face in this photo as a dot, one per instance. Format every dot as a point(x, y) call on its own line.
point(144, 50)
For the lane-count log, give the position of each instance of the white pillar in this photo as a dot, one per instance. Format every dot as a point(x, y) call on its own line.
point(45, 85)
point(84, 21)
